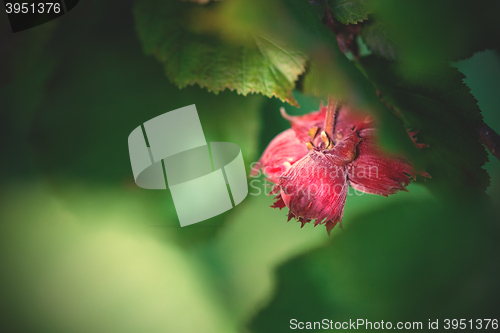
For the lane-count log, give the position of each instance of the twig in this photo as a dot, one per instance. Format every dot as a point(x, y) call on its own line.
point(490, 139)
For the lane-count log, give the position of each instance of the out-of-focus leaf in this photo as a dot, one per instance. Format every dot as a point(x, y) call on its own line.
point(92, 259)
point(349, 11)
point(22, 56)
point(438, 105)
point(428, 31)
point(97, 270)
point(244, 255)
point(482, 73)
point(377, 39)
point(253, 65)
point(414, 260)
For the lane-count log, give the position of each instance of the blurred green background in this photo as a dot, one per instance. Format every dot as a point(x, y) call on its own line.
point(82, 249)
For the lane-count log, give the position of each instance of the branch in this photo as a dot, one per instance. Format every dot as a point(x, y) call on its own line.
point(490, 139)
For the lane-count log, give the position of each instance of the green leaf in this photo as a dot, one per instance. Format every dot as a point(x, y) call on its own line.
point(349, 11)
point(426, 31)
point(253, 65)
point(439, 105)
point(409, 261)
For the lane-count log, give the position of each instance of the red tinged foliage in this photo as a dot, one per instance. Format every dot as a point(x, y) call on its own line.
point(312, 169)
point(346, 33)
